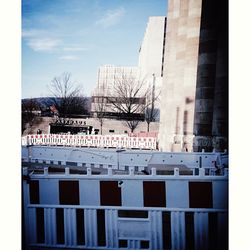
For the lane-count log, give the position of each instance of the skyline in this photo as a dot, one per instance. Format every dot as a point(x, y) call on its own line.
point(80, 36)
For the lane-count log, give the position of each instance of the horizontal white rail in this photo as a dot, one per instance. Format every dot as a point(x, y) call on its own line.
point(169, 209)
point(130, 175)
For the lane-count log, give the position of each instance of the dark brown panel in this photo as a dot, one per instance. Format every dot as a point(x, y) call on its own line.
point(123, 243)
point(200, 195)
point(34, 192)
point(144, 244)
point(213, 230)
point(110, 193)
point(189, 229)
point(60, 225)
point(80, 226)
point(69, 192)
point(40, 225)
point(154, 194)
point(132, 214)
point(101, 232)
point(166, 230)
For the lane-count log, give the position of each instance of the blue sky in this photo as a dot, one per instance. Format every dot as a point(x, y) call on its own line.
point(78, 36)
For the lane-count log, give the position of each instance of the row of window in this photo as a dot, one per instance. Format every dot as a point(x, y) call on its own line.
point(107, 99)
point(154, 193)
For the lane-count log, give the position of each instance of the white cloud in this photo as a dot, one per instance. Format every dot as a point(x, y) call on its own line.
point(40, 40)
point(111, 18)
point(69, 57)
point(75, 48)
point(32, 33)
point(43, 44)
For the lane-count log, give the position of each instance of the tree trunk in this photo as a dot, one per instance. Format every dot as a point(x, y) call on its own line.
point(148, 126)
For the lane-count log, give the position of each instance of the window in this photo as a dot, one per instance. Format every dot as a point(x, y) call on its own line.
point(110, 193)
point(69, 192)
point(200, 195)
point(154, 194)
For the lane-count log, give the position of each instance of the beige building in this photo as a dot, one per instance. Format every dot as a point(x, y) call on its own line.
point(195, 79)
point(109, 74)
point(149, 69)
point(151, 54)
point(110, 82)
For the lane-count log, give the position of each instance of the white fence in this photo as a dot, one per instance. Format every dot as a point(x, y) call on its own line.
point(129, 226)
point(103, 141)
point(133, 231)
point(119, 159)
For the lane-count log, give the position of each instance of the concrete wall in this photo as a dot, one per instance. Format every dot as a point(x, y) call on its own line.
point(195, 80)
point(179, 76)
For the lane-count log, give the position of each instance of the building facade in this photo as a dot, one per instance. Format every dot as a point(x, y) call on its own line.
point(195, 78)
point(109, 74)
point(112, 84)
point(149, 70)
point(151, 53)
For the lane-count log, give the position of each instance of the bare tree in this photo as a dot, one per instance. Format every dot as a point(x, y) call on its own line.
point(151, 112)
point(128, 99)
point(99, 102)
point(67, 96)
point(29, 106)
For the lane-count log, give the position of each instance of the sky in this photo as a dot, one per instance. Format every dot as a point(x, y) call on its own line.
point(79, 36)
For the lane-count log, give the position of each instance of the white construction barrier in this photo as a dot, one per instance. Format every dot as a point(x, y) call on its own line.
point(104, 141)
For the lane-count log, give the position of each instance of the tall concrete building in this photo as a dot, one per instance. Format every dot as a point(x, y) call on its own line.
point(151, 54)
point(149, 69)
point(109, 74)
point(115, 85)
point(195, 78)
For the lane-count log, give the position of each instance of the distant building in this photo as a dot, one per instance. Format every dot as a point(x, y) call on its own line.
point(151, 61)
point(104, 93)
point(151, 54)
point(109, 74)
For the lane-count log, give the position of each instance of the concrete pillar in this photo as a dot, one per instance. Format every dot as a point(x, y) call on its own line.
point(220, 110)
point(206, 77)
point(179, 76)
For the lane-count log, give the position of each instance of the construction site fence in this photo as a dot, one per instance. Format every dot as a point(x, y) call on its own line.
point(105, 141)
